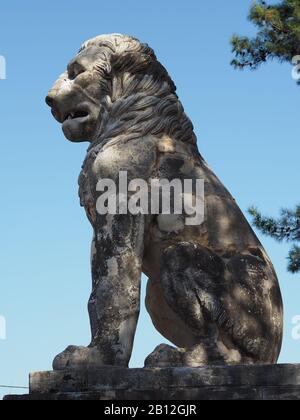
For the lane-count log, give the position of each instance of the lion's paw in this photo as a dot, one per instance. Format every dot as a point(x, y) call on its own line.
point(165, 356)
point(76, 358)
point(200, 355)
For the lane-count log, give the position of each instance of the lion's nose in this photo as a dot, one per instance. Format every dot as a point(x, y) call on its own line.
point(52, 101)
point(49, 100)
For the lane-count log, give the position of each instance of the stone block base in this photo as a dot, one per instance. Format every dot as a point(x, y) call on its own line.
point(278, 382)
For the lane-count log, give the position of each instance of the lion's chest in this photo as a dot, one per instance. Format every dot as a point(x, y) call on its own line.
point(87, 187)
point(96, 166)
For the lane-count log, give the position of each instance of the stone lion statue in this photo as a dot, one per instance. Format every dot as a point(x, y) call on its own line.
point(212, 289)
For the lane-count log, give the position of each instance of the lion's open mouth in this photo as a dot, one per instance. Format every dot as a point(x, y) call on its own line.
point(76, 123)
point(76, 115)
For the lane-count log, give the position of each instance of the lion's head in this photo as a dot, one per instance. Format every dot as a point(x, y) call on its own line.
point(116, 86)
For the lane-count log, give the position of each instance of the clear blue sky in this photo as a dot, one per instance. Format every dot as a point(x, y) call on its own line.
point(247, 126)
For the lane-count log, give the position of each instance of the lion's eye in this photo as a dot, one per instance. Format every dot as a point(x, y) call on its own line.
point(74, 70)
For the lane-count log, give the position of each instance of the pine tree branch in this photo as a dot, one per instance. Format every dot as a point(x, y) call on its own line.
point(287, 228)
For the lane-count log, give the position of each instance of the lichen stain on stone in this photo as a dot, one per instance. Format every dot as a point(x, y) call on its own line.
point(113, 266)
point(170, 223)
point(166, 145)
point(93, 251)
point(106, 161)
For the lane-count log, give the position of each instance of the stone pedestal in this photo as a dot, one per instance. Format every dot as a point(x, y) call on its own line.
point(279, 382)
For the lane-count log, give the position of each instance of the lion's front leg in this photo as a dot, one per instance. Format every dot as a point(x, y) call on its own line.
point(114, 304)
point(115, 300)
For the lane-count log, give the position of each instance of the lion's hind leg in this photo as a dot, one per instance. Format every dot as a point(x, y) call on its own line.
point(253, 307)
point(234, 308)
point(192, 279)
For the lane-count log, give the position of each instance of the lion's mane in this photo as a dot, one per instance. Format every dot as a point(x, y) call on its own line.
point(139, 97)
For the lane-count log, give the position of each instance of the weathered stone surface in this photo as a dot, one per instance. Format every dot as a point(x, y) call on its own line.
point(191, 394)
point(207, 383)
point(212, 290)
